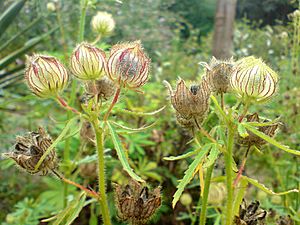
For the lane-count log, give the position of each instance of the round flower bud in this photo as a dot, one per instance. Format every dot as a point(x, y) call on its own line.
point(253, 80)
point(45, 76)
point(217, 193)
point(51, 6)
point(128, 65)
point(186, 199)
point(88, 62)
point(103, 23)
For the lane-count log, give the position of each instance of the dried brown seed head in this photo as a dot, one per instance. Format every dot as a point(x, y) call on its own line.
point(30, 148)
point(218, 73)
point(252, 139)
point(136, 203)
point(251, 214)
point(190, 103)
point(86, 133)
point(104, 88)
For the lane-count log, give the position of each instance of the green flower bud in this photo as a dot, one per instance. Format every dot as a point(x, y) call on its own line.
point(128, 65)
point(103, 23)
point(88, 62)
point(45, 76)
point(253, 80)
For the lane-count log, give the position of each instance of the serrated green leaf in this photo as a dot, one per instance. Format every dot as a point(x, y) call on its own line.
point(142, 113)
point(241, 190)
point(121, 153)
point(270, 140)
point(265, 189)
point(143, 128)
point(183, 156)
point(242, 130)
point(188, 174)
point(212, 157)
point(8, 16)
point(69, 126)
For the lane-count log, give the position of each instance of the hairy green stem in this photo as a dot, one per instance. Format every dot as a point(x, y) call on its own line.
point(229, 177)
point(205, 194)
point(101, 172)
point(82, 20)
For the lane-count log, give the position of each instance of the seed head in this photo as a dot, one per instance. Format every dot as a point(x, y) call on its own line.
point(251, 214)
point(28, 150)
point(252, 139)
point(128, 65)
point(104, 88)
point(190, 103)
point(103, 23)
point(218, 73)
point(253, 80)
point(88, 62)
point(136, 203)
point(45, 76)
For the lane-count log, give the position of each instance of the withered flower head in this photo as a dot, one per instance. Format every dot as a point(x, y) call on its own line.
point(104, 88)
point(218, 73)
point(86, 133)
point(128, 65)
point(88, 62)
point(253, 80)
point(136, 203)
point(285, 220)
point(45, 76)
point(190, 103)
point(253, 139)
point(29, 149)
point(250, 215)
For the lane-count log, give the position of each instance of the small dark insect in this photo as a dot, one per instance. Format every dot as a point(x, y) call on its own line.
point(194, 89)
point(136, 203)
point(250, 215)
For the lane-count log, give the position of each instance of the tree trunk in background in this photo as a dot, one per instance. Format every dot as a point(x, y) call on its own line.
point(223, 31)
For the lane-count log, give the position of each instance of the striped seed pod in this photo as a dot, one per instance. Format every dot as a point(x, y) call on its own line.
point(136, 203)
point(128, 65)
point(253, 80)
point(191, 104)
point(45, 76)
point(88, 62)
point(218, 73)
point(103, 23)
point(29, 149)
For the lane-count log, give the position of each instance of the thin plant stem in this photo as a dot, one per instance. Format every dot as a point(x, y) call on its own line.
point(228, 169)
point(114, 101)
point(64, 104)
point(222, 100)
point(239, 175)
point(245, 110)
point(62, 31)
point(88, 191)
point(84, 4)
point(101, 172)
point(205, 194)
point(98, 38)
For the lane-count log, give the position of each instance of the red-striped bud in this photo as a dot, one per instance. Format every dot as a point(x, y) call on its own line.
point(88, 62)
point(128, 65)
point(45, 76)
point(253, 80)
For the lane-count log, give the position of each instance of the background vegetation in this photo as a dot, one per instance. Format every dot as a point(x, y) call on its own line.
point(177, 35)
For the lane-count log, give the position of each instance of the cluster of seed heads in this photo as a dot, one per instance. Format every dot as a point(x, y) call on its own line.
point(29, 149)
point(136, 203)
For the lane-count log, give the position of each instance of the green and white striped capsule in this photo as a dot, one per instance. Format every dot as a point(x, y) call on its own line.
point(252, 80)
point(88, 62)
point(45, 76)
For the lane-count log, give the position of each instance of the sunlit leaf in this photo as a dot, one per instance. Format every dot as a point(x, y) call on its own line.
point(143, 128)
point(212, 157)
point(183, 156)
point(142, 113)
point(271, 140)
point(188, 174)
point(265, 189)
point(121, 153)
point(242, 130)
